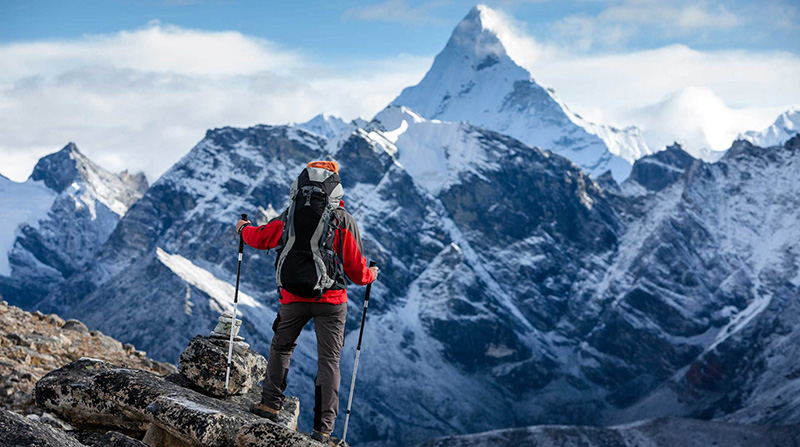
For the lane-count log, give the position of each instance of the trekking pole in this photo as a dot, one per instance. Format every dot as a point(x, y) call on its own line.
point(235, 302)
point(358, 354)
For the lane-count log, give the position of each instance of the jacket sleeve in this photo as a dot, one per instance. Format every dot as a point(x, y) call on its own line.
point(264, 237)
point(355, 265)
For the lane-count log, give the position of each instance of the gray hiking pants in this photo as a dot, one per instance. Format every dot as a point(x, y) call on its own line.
point(329, 321)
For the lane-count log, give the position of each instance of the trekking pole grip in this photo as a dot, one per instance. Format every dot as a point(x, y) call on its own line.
point(369, 286)
point(241, 239)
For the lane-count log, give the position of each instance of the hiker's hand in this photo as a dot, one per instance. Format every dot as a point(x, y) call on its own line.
point(240, 224)
point(374, 271)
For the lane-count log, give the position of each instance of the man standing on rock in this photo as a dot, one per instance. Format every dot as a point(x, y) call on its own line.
point(319, 248)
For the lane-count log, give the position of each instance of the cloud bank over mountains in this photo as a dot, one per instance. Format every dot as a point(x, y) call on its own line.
point(139, 99)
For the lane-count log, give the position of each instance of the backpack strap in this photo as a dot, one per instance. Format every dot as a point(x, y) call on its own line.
point(341, 278)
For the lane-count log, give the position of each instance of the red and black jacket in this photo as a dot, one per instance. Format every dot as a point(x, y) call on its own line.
point(346, 244)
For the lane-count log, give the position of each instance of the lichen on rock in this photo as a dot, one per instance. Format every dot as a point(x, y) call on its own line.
point(204, 363)
point(96, 393)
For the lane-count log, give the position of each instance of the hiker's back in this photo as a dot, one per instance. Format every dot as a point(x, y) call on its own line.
point(307, 262)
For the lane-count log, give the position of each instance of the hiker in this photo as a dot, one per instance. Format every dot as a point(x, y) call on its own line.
point(319, 248)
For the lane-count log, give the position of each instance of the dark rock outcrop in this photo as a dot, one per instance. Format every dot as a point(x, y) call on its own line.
point(17, 431)
point(657, 171)
point(94, 393)
point(69, 392)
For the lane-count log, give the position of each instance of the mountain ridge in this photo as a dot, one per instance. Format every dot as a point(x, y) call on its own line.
point(57, 219)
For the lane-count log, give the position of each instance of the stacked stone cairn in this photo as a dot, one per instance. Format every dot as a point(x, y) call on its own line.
point(204, 362)
point(189, 409)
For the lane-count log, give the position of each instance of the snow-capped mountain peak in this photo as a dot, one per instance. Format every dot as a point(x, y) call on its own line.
point(477, 41)
point(324, 125)
point(476, 79)
point(785, 127)
point(70, 168)
point(57, 219)
point(60, 169)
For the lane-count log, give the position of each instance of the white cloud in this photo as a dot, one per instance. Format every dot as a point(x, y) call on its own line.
point(698, 119)
point(519, 45)
point(704, 98)
point(141, 99)
point(625, 20)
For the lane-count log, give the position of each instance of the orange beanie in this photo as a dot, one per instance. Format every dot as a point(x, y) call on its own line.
point(329, 165)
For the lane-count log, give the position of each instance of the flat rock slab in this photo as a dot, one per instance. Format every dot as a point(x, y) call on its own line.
point(143, 397)
point(19, 431)
point(204, 363)
point(267, 434)
point(290, 412)
point(203, 422)
point(69, 392)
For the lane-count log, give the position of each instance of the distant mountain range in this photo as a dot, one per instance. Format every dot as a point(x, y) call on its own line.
point(516, 289)
point(786, 126)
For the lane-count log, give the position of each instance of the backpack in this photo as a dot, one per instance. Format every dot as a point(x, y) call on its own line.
point(307, 264)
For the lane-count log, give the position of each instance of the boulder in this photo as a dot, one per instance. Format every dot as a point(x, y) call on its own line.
point(90, 390)
point(206, 422)
point(69, 392)
point(204, 363)
point(289, 413)
point(75, 325)
point(16, 430)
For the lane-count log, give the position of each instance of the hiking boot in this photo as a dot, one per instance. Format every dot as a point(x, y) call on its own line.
point(264, 411)
point(323, 438)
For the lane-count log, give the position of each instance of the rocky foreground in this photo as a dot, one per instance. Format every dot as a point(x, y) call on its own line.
point(33, 344)
point(126, 399)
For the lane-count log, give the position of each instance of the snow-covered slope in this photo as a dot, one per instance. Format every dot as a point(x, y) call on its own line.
point(514, 289)
point(163, 264)
point(56, 220)
point(324, 125)
point(475, 80)
point(727, 265)
point(666, 432)
point(21, 203)
point(786, 126)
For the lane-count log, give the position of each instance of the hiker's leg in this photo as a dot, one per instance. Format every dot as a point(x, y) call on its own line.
point(329, 324)
point(287, 327)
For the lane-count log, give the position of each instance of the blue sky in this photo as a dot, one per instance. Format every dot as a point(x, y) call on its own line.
point(331, 30)
point(136, 83)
